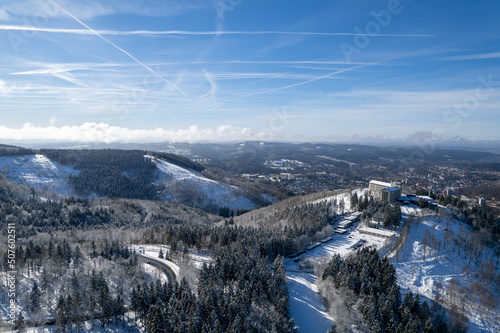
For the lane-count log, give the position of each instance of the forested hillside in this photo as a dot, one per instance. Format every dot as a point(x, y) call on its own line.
point(133, 174)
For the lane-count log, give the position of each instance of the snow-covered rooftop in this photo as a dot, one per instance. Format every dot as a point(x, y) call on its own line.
point(378, 182)
point(373, 231)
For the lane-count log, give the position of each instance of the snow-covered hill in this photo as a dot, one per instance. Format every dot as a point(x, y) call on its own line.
point(38, 172)
point(188, 186)
point(182, 185)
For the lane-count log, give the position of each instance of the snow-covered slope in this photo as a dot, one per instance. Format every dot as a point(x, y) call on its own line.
point(188, 186)
point(306, 306)
point(39, 172)
point(439, 252)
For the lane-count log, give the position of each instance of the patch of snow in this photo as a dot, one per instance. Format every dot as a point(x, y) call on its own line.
point(285, 164)
point(153, 273)
point(337, 160)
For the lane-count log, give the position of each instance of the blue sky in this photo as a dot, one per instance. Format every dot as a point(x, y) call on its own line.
point(224, 70)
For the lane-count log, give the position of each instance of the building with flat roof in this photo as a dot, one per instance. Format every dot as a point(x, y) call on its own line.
point(386, 191)
point(382, 233)
point(376, 186)
point(391, 194)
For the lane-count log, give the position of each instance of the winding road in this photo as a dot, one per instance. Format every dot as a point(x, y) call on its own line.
point(160, 265)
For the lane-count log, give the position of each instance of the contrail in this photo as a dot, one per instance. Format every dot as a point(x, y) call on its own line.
point(189, 33)
point(309, 81)
point(90, 31)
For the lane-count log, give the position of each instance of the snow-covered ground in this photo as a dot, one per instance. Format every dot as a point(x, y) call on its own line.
point(39, 172)
point(306, 305)
point(218, 194)
point(425, 277)
point(153, 273)
point(94, 326)
point(444, 261)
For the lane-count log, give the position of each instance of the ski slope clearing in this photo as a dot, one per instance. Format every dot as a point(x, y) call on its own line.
point(183, 184)
point(39, 172)
point(306, 305)
point(441, 259)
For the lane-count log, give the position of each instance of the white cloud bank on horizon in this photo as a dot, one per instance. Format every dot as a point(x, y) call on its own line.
point(105, 133)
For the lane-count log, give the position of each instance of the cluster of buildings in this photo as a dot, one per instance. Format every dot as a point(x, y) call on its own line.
point(391, 192)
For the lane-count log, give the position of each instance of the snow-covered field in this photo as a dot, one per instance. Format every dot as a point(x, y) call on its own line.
point(93, 326)
point(39, 172)
point(425, 277)
point(215, 193)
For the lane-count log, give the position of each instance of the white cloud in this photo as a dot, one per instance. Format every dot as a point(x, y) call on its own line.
point(102, 132)
point(4, 88)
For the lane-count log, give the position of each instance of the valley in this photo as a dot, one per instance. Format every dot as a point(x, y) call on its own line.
point(101, 226)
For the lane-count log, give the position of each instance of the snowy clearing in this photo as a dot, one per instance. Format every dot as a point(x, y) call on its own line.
point(306, 305)
point(213, 192)
point(39, 172)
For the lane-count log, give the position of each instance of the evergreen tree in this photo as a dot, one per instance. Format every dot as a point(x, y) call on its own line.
point(35, 296)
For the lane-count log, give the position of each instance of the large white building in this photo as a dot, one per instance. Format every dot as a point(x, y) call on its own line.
point(385, 191)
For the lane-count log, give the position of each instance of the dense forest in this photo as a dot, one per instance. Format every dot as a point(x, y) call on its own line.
point(110, 173)
point(134, 174)
point(70, 243)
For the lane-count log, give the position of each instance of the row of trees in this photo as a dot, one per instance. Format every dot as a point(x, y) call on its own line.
point(7, 150)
